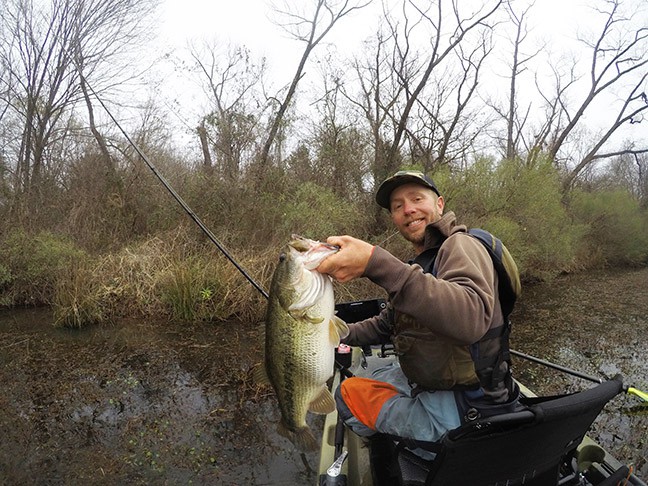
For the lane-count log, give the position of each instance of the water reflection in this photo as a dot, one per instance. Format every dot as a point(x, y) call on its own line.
point(593, 323)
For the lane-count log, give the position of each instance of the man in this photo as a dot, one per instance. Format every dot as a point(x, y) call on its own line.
point(444, 319)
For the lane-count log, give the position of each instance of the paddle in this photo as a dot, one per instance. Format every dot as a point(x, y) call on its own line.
point(628, 389)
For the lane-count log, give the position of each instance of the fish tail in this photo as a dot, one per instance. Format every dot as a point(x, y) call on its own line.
point(303, 437)
point(305, 440)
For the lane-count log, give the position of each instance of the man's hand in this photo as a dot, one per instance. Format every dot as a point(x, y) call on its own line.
point(348, 263)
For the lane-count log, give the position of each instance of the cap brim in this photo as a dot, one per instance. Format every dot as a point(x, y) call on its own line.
point(386, 188)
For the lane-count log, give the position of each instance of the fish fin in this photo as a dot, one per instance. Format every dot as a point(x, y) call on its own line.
point(260, 375)
point(299, 314)
point(338, 330)
point(303, 438)
point(324, 402)
point(341, 326)
point(284, 431)
point(314, 319)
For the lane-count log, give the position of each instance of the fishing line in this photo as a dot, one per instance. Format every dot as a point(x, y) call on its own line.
point(172, 191)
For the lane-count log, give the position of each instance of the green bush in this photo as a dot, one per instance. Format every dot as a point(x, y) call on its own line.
point(33, 264)
point(314, 212)
point(617, 229)
point(521, 204)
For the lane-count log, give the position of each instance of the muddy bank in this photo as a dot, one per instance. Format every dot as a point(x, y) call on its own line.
point(143, 402)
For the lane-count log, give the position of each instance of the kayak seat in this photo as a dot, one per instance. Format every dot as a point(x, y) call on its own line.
point(528, 447)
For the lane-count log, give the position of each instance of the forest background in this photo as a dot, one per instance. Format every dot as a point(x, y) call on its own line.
point(460, 90)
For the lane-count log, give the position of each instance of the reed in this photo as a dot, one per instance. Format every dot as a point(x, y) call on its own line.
point(174, 278)
point(76, 301)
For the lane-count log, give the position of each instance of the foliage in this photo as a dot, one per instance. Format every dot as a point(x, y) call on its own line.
point(617, 227)
point(316, 212)
point(58, 178)
point(179, 274)
point(5, 283)
point(103, 211)
point(202, 289)
point(521, 204)
point(173, 277)
point(77, 298)
point(32, 265)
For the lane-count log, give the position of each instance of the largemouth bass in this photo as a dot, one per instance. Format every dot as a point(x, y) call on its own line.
point(300, 338)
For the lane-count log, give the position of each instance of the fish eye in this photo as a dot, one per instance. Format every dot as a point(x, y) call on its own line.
point(282, 257)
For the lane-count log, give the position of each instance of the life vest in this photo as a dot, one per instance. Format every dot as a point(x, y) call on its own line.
point(432, 362)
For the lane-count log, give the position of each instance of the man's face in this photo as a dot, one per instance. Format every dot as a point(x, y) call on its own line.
point(412, 208)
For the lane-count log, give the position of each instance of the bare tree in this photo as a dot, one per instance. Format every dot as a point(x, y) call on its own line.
point(629, 171)
point(448, 128)
point(233, 82)
point(415, 74)
point(378, 94)
point(515, 118)
point(311, 29)
point(420, 97)
point(204, 145)
point(42, 46)
point(641, 170)
point(340, 160)
point(618, 67)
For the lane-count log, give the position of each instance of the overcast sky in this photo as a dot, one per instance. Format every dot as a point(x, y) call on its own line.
point(248, 22)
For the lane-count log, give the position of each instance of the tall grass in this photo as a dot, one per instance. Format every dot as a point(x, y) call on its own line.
point(77, 300)
point(31, 265)
point(172, 277)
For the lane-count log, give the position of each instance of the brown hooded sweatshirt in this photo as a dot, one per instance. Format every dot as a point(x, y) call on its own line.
point(458, 305)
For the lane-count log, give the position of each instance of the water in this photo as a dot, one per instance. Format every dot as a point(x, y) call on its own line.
point(594, 323)
point(145, 402)
point(138, 403)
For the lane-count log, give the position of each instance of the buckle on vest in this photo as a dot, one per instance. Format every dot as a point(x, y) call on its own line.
point(472, 414)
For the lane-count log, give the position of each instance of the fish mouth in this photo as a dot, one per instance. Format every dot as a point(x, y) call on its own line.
point(312, 252)
point(303, 244)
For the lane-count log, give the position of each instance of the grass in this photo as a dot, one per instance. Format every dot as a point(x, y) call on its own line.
point(173, 278)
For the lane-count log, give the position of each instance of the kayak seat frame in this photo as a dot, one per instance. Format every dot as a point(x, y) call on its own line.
point(528, 447)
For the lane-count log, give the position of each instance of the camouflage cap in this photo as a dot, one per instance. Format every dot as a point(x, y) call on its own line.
point(398, 179)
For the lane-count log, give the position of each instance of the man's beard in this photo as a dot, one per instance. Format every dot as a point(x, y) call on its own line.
point(414, 239)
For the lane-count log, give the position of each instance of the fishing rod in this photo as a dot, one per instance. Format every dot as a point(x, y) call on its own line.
point(628, 389)
point(175, 195)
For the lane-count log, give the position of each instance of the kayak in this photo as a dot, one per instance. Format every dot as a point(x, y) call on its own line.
point(348, 459)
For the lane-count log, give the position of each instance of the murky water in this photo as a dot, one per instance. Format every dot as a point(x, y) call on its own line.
point(594, 323)
point(137, 403)
point(142, 402)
